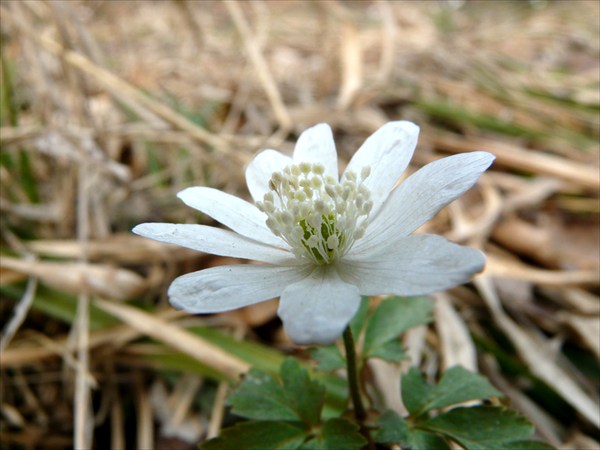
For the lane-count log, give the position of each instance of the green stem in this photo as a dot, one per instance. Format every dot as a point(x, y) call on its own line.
point(359, 409)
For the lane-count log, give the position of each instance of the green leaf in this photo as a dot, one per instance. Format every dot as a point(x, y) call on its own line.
point(259, 356)
point(164, 358)
point(394, 316)
point(391, 351)
point(60, 306)
point(259, 436)
point(328, 358)
point(415, 391)
point(260, 397)
point(457, 385)
point(336, 394)
point(422, 440)
point(337, 434)
point(480, 427)
point(395, 430)
point(304, 395)
point(524, 445)
point(358, 321)
point(459, 115)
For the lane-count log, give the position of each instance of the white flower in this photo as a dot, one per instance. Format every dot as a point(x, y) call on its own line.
point(326, 240)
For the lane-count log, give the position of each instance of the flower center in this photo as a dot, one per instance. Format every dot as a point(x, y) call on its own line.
point(317, 215)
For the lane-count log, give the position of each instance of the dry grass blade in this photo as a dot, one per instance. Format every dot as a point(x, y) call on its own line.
point(545, 425)
point(390, 392)
point(174, 411)
point(588, 329)
point(176, 337)
point(117, 438)
point(260, 65)
point(388, 42)
point(121, 248)
point(351, 65)
point(19, 314)
point(182, 398)
point(218, 411)
point(502, 267)
point(456, 344)
point(120, 87)
point(525, 160)
point(82, 405)
point(40, 348)
point(97, 279)
point(145, 419)
point(539, 357)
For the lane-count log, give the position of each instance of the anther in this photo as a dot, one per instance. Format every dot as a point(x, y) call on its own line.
point(317, 215)
point(365, 172)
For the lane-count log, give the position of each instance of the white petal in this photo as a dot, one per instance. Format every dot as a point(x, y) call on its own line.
point(415, 265)
point(317, 309)
point(231, 211)
point(421, 196)
point(225, 288)
point(388, 152)
point(215, 241)
point(316, 145)
point(260, 169)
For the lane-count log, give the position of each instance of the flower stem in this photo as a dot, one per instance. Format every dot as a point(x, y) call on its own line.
point(359, 409)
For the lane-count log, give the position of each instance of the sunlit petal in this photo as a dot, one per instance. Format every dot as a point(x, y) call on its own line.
point(231, 211)
point(415, 265)
point(317, 309)
point(387, 152)
point(316, 145)
point(421, 196)
point(260, 169)
point(214, 241)
point(225, 288)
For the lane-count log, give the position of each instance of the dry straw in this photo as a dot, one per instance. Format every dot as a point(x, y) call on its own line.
point(110, 108)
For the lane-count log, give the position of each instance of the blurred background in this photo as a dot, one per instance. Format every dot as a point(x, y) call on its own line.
point(109, 108)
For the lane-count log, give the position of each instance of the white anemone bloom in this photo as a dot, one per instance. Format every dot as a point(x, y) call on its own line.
point(326, 239)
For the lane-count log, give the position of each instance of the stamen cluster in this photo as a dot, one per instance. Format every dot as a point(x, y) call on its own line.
point(317, 215)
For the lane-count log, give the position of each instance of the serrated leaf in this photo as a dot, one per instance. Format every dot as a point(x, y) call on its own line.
point(393, 429)
point(394, 316)
point(304, 395)
point(415, 391)
point(422, 440)
point(328, 358)
point(480, 427)
point(336, 394)
point(391, 351)
point(259, 436)
point(457, 385)
point(337, 434)
point(260, 397)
